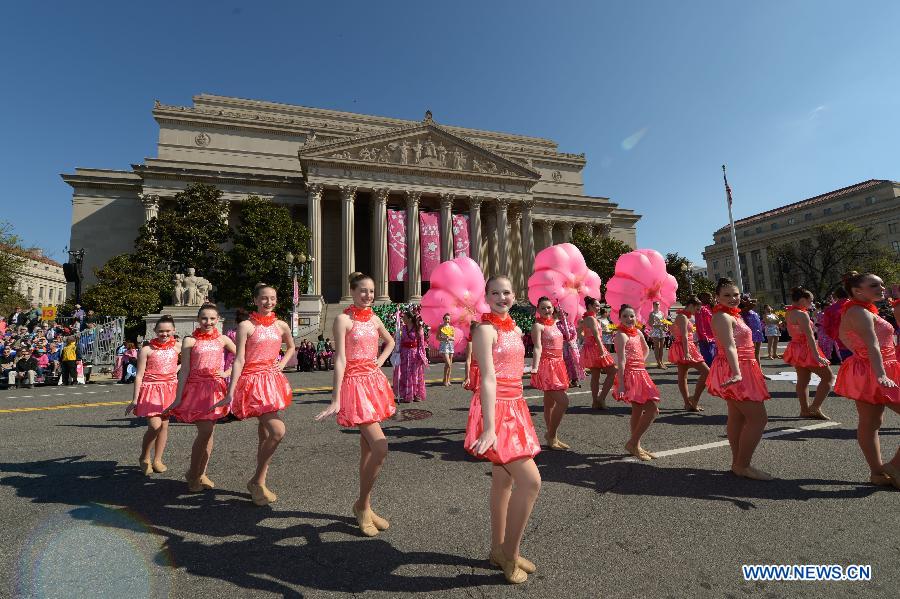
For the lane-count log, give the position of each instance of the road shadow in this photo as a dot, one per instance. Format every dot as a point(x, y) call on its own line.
point(222, 535)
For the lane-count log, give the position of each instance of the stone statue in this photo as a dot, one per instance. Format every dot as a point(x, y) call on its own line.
point(178, 291)
point(417, 152)
point(442, 154)
point(459, 159)
point(430, 150)
point(195, 289)
point(404, 151)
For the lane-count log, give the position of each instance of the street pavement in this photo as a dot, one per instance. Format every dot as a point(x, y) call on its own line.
point(79, 520)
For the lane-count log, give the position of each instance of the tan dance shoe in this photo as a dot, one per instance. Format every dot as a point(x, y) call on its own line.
point(511, 570)
point(257, 494)
point(206, 482)
point(146, 468)
point(364, 519)
point(194, 485)
point(379, 522)
point(496, 558)
point(159, 467)
point(880, 480)
point(893, 472)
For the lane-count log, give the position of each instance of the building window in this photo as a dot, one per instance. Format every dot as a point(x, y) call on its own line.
point(41, 293)
point(716, 267)
point(848, 206)
point(826, 211)
point(759, 229)
point(892, 227)
point(722, 239)
point(774, 226)
point(896, 246)
point(792, 220)
point(807, 216)
point(870, 200)
point(727, 262)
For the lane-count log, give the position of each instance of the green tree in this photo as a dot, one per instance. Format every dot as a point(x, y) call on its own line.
point(600, 253)
point(818, 261)
point(127, 287)
point(265, 235)
point(188, 232)
point(11, 264)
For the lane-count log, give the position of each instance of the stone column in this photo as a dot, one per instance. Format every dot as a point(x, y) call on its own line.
point(446, 226)
point(503, 235)
point(314, 218)
point(547, 228)
point(527, 236)
point(151, 205)
point(475, 230)
point(413, 254)
point(379, 234)
point(348, 263)
point(516, 266)
point(567, 232)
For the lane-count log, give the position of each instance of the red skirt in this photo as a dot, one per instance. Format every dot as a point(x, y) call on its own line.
point(797, 354)
point(676, 353)
point(471, 384)
point(155, 396)
point(639, 387)
point(260, 390)
point(366, 395)
point(593, 356)
point(856, 381)
point(551, 374)
point(200, 392)
point(516, 437)
point(752, 386)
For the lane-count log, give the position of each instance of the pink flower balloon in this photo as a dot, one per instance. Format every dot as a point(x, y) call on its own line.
point(640, 280)
point(561, 274)
point(457, 288)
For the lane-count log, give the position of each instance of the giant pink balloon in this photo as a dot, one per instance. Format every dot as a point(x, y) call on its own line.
point(641, 279)
point(457, 288)
point(561, 274)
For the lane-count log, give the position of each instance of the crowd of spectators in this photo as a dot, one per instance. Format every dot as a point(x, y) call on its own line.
point(33, 351)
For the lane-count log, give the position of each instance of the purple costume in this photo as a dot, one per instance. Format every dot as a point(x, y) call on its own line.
point(409, 374)
point(571, 353)
point(752, 320)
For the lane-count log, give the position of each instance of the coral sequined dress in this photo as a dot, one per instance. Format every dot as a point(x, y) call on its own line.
point(639, 387)
point(366, 394)
point(160, 382)
point(676, 350)
point(205, 385)
point(752, 386)
point(516, 437)
point(551, 374)
point(797, 353)
point(262, 388)
point(593, 355)
point(856, 380)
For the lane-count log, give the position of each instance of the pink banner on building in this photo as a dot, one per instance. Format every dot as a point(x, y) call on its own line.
point(460, 235)
point(396, 223)
point(430, 242)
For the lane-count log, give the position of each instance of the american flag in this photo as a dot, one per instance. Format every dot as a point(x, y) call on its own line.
point(727, 187)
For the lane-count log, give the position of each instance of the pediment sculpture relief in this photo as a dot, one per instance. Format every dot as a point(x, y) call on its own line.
point(424, 151)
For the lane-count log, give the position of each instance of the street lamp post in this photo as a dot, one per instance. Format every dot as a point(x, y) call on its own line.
point(686, 269)
point(292, 274)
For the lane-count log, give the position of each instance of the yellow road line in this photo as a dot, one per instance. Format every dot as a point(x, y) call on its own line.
point(102, 404)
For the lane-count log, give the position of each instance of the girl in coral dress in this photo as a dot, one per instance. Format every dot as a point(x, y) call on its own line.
point(362, 395)
point(633, 384)
point(549, 373)
point(736, 377)
point(201, 386)
point(804, 355)
point(258, 388)
point(155, 386)
point(871, 375)
point(594, 355)
point(686, 356)
point(499, 429)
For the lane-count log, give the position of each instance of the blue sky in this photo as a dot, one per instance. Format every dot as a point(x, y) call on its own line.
point(797, 97)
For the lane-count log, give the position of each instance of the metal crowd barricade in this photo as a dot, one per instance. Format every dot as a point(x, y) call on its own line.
point(98, 345)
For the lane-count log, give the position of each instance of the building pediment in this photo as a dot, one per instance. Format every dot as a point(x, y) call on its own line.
point(425, 146)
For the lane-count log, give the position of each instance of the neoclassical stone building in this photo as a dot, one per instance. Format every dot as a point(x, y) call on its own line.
point(39, 278)
point(343, 174)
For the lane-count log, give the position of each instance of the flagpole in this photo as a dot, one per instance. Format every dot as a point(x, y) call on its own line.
point(737, 261)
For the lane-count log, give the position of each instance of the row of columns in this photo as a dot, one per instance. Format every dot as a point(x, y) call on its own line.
point(513, 223)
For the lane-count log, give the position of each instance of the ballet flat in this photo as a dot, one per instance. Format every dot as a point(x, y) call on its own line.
point(881, 480)
point(894, 473)
point(364, 519)
point(379, 522)
point(159, 467)
point(257, 494)
point(511, 570)
point(146, 468)
point(194, 485)
point(206, 482)
point(496, 557)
